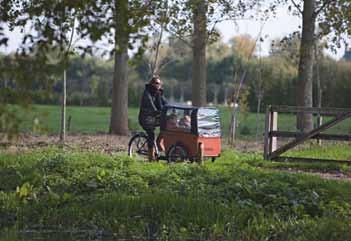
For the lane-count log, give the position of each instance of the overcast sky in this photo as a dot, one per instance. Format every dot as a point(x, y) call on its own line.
point(278, 27)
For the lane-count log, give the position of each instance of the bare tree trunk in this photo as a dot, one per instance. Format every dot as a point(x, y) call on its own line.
point(259, 99)
point(199, 65)
point(119, 111)
point(233, 123)
point(259, 95)
point(63, 109)
point(319, 89)
point(171, 90)
point(225, 101)
point(181, 99)
point(305, 97)
point(215, 94)
point(65, 63)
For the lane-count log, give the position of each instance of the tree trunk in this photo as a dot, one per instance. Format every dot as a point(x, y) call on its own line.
point(259, 94)
point(225, 101)
point(258, 110)
point(233, 123)
point(63, 109)
point(171, 91)
point(181, 99)
point(215, 94)
point(199, 53)
point(119, 112)
point(304, 91)
point(319, 89)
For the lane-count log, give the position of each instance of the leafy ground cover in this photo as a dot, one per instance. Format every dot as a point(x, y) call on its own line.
point(238, 197)
point(96, 120)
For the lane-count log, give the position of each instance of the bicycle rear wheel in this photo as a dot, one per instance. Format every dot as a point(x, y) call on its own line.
point(177, 153)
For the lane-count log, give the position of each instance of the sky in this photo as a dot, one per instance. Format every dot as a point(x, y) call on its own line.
point(278, 27)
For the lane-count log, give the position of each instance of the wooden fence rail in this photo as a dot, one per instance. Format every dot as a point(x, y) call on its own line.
point(271, 150)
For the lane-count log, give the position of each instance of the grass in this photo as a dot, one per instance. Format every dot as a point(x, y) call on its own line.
point(84, 119)
point(96, 119)
point(336, 151)
point(239, 197)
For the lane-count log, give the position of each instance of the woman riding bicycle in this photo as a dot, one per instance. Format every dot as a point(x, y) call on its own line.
point(151, 105)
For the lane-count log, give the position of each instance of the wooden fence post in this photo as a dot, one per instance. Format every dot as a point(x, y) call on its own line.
point(271, 124)
point(266, 134)
point(319, 123)
point(273, 127)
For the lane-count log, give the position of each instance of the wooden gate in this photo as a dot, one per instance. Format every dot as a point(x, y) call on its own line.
point(271, 150)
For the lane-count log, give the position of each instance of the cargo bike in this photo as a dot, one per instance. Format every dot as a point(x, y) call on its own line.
point(187, 133)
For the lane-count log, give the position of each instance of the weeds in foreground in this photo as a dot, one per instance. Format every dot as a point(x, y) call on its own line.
point(119, 197)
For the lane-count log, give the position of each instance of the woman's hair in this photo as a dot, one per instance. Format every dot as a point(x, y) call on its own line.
point(154, 79)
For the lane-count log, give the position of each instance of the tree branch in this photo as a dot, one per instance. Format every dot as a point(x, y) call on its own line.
point(180, 37)
point(248, 59)
point(325, 4)
point(212, 30)
point(158, 44)
point(165, 64)
point(71, 39)
point(297, 6)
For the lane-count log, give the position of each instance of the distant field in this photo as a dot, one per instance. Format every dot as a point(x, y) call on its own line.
point(83, 119)
point(96, 119)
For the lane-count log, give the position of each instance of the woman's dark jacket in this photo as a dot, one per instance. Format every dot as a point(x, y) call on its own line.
point(151, 105)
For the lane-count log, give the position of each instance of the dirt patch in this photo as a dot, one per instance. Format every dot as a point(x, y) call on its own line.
point(103, 143)
point(332, 175)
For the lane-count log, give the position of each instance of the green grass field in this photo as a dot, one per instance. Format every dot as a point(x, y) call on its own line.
point(71, 195)
point(96, 119)
point(84, 119)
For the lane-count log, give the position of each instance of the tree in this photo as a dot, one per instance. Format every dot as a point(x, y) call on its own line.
point(288, 48)
point(198, 19)
point(331, 17)
point(199, 8)
point(305, 83)
point(119, 111)
point(49, 22)
point(64, 57)
point(244, 47)
point(218, 69)
point(121, 23)
point(157, 56)
point(117, 21)
point(181, 56)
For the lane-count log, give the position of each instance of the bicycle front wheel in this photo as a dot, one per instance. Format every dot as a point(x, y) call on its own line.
point(137, 146)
